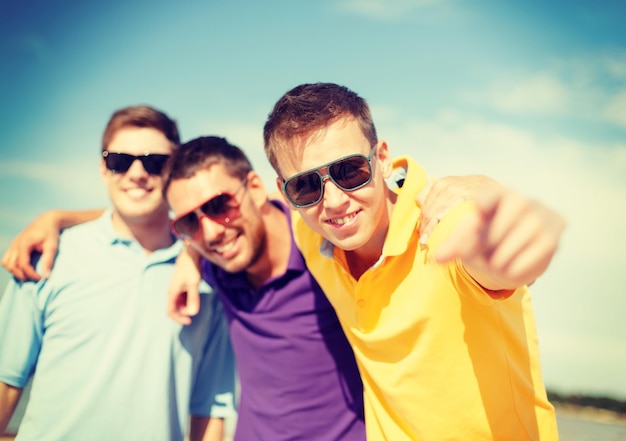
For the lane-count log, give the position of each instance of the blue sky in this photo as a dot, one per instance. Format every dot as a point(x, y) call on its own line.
point(531, 93)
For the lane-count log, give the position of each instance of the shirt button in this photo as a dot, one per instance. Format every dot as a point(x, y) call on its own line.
point(360, 303)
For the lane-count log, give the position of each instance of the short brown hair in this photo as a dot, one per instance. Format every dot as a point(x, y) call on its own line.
point(310, 107)
point(201, 153)
point(140, 116)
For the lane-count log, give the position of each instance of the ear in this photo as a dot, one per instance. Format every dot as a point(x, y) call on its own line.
point(383, 157)
point(279, 184)
point(104, 172)
point(256, 187)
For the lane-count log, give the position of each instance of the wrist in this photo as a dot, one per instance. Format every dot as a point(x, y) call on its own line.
point(55, 219)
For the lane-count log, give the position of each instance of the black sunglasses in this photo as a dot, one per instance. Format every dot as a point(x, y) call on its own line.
point(348, 173)
point(222, 208)
point(120, 162)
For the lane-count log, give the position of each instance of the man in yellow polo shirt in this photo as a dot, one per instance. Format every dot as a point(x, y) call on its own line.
point(443, 332)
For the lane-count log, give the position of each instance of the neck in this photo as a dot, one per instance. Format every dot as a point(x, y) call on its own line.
point(274, 254)
point(151, 232)
point(361, 259)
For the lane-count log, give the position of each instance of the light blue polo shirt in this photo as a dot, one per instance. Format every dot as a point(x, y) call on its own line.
point(108, 363)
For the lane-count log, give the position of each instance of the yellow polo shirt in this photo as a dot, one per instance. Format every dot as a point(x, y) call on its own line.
point(440, 359)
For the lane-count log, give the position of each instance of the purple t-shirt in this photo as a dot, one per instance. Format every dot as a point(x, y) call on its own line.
point(299, 379)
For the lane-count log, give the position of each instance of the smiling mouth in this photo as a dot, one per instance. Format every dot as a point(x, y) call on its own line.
point(342, 220)
point(137, 192)
point(221, 249)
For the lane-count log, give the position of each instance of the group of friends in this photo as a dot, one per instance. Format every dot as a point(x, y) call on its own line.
point(359, 301)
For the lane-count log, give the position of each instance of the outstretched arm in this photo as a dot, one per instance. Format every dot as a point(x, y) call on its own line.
point(183, 300)
point(442, 195)
point(507, 242)
point(42, 235)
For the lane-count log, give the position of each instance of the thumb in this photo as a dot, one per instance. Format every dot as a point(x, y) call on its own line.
point(48, 253)
point(463, 241)
point(193, 301)
point(470, 238)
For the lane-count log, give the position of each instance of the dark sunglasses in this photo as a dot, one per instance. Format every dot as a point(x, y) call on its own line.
point(120, 162)
point(348, 173)
point(222, 208)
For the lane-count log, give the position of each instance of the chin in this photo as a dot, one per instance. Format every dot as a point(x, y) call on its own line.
point(349, 244)
point(139, 210)
point(233, 267)
point(229, 265)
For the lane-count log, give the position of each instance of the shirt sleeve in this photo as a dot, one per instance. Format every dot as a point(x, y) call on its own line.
point(21, 331)
point(214, 387)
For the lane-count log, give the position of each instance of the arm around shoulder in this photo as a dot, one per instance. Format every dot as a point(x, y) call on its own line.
point(42, 236)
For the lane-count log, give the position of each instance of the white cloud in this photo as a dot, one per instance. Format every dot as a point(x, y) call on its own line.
point(555, 168)
point(77, 182)
point(616, 64)
point(616, 109)
point(539, 94)
point(568, 358)
point(591, 87)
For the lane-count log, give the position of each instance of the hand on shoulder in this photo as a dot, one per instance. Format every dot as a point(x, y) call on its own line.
point(42, 236)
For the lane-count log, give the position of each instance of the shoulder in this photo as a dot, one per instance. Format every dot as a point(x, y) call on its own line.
point(84, 232)
point(306, 239)
point(78, 240)
point(407, 175)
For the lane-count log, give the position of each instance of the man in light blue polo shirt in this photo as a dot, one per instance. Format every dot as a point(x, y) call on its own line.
point(107, 362)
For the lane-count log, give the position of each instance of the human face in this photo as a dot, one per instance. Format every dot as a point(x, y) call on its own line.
point(349, 219)
point(222, 208)
point(234, 245)
point(136, 194)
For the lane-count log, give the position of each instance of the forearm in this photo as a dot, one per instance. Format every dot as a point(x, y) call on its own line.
point(9, 396)
point(192, 255)
point(206, 429)
point(66, 218)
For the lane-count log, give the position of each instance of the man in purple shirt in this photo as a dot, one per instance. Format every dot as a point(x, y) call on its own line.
point(299, 378)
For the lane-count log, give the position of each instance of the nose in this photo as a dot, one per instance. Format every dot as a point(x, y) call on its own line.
point(211, 230)
point(136, 170)
point(333, 196)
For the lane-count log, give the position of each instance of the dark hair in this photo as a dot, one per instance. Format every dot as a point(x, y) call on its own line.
point(201, 153)
point(140, 116)
point(310, 107)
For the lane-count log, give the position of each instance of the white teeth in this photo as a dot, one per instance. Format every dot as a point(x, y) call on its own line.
point(225, 247)
point(136, 192)
point(342, 220)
